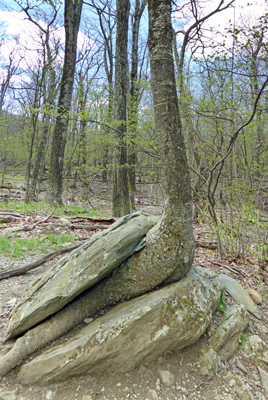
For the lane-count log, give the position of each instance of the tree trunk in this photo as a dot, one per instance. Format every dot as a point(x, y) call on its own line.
point(72, 16)
point(134, 92)
point(120, 193)
point(176, 223)
point(49, 93)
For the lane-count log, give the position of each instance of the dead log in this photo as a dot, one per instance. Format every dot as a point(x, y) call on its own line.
point(12, 214)
point(88, 227)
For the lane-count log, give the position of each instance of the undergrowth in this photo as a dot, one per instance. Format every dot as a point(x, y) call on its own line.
point(20, 247)
point(44, 208)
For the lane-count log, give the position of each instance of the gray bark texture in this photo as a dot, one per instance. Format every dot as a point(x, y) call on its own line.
point(120, 193)
point(175, 229)
point(72, 16)
point(134, 100)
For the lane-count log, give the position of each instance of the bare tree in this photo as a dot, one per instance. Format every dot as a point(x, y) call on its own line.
point(134, 98)
point(72, 16)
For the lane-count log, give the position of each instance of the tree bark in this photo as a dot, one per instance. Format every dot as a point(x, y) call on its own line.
point(134, 94)
point(176, 223)
point(120, 191)
point(72, 16)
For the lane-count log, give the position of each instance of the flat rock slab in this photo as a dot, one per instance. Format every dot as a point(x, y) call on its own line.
point(225, 340)
point(81, 269)
point(239, 294)
point(133, 332)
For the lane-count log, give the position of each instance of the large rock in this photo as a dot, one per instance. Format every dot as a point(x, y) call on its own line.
point(225, 340)
point(137, 331)
point(81, 269)
point(239, 294)
point(224, 343)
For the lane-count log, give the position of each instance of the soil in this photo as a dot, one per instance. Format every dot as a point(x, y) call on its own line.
point(144, 382)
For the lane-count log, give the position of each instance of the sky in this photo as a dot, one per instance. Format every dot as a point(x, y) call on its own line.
point(15, 25)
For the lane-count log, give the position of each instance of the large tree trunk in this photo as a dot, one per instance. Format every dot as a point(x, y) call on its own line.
point(72, 16)
point(175, 230)
point(120, 178)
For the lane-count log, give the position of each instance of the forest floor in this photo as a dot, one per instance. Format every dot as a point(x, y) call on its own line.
point(144, 382)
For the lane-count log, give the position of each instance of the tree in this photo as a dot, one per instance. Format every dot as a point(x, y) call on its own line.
point(107, 25)
point(72, 16)
point(120, 193)
point(47, 86)
point(134, 95)
point(169, 249)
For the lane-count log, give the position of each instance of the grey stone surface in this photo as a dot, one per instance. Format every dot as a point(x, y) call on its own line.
point(225, 339)
point(133, 332)
point(242, 391)
point(7, 394)
point(167, 378)
point(264, 379)
point(81, 269)
point(239, 294)
point(255, 349)
point(263, 290)
point(209, 361)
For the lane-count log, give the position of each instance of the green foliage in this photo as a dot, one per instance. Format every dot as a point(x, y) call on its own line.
point(43, 208)
point(222, 304)
point(242, 338)
point(20, 247)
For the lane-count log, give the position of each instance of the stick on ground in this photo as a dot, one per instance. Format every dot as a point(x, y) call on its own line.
point(37, 263)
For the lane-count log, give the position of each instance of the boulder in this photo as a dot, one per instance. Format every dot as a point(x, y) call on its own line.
point(209, 361)
point(239, 294)
point(225, 340)
point(133, 332)
point(255, 349)
point(263, 290)
point(264, 379)
point(81, 269)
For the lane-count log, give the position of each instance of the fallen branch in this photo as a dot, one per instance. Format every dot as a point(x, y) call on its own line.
point(12, 214)
point(209, 246)
point(31, 227)
point(94, 219)
point(88, 227)
point(232, 269)
point(37, 263)
point(7, 218)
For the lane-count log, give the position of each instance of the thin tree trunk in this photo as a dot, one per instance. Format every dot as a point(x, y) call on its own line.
point(134, 93)
point(72, 16)
point(120, 190)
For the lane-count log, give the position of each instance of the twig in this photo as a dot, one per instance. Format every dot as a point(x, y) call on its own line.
point(37, 263)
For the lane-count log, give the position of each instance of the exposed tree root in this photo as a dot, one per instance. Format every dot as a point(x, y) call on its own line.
point(141, 273)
